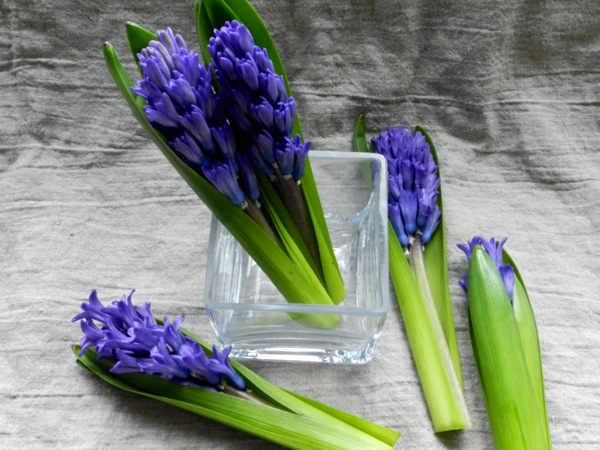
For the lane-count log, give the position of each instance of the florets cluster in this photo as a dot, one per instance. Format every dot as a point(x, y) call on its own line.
point(413, 183)
point(131, 337)
point(494, 249)
point(185, 108)
point(257, 103)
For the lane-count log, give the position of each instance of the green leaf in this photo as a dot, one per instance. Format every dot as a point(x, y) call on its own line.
point(265, 251)
point(218, 12)
point(360, 145)
point(311, 429)
point(509, 395)
point(260, 384)
point(436, 263)
point(277, 207)
point(204, 29)
point(377, 431)
point(440, 385)
point(529, 341)
point(138, 39)
point(360, 141)
point(331, 270)
point(321, 321)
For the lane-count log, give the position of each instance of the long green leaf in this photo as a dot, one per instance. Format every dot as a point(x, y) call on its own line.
point(315, 429)
point(260, 384)
point(212, 14)
point(276, 206)
point(138, 39)
point(390, 437)
point(529, 340)
point(360, 145)
point(360, 140)
point(264, 250)
point(436, 263)
point(446, 404)
point(331, 270)
point(510, 399)
point(322, 321)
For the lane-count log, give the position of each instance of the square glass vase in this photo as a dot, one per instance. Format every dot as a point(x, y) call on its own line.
point(248, 313)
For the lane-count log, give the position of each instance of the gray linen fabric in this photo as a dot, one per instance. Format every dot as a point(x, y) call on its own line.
point(510, 93)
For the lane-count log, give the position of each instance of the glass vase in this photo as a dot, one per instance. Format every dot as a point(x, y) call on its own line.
point(248, 313)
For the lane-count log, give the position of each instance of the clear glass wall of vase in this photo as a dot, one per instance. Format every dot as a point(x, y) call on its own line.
point(249, 314)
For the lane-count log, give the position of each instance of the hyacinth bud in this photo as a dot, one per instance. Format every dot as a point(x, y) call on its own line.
point(285, 158)
point(187, 148)
point(264, 114)
point(300, 154)
point(413, 183)
point(184, 107)
point(223, 176)
point(248, 177)
point(272, 87)
point(494, 249)
point(266, 147)
point(259, 161)
point(258, 103)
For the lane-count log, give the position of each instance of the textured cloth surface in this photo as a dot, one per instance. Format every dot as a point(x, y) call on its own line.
point(508, 90)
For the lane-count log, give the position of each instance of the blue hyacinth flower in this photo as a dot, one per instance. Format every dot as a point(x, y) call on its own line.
point(130, 336)
point(494, 249)
point(413, 183)
point(257, 103)
point(185, 108)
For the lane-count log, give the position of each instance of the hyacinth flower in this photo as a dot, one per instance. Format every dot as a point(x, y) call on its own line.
point(127, 347)
point(183, 106)
point(505, 346)
point(263, 116)
point(275, 145)
point(419, 268)
point(187, 120)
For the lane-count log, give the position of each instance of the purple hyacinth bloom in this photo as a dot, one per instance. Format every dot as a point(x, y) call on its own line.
point(184, 107)
point(395, 217)
point(258, 106)
point(494, 249)
point(223, 177)
point(130, 336)
point(300, 154)
point(248, 177)
point(413, 183)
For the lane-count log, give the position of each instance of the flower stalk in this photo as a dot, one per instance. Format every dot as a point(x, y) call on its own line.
point(415, 216)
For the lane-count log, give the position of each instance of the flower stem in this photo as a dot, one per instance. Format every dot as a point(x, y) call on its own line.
point(246, 395)
point(291, 195)
point(418, 268)
point(256, 214)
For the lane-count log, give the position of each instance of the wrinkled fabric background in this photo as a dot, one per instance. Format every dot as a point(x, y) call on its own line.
point(508, 90)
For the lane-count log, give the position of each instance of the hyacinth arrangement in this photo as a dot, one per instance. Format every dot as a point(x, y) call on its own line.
point(505, 346)
point(235, 138)
point(127, 347)
point(419, 267)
